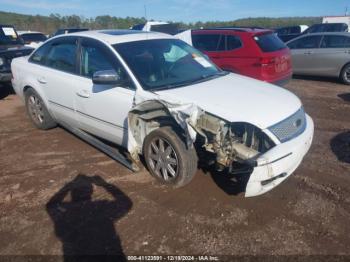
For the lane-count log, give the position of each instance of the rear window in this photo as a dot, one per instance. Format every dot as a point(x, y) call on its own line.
point(34, 37)
point(269, 42)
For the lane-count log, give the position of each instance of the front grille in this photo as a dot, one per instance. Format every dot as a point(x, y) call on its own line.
point(290, 127)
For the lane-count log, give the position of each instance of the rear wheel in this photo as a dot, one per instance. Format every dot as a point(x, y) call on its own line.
point(168, 159)
point(37, 110)
point(345, 74)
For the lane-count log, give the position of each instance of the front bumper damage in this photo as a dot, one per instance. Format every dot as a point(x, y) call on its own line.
point(271, 166)
point(276, 165)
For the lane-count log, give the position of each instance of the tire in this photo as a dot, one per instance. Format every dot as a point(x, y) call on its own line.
point(345, 74)
point(177, 165)
point(37, 111)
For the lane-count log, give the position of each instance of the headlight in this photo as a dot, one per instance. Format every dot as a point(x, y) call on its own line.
point(2, 61)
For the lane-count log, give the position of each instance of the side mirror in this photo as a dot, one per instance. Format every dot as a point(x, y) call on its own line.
point(106, 77)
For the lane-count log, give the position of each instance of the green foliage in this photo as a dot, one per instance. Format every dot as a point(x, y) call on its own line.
point(49, 24)
point(266, 22)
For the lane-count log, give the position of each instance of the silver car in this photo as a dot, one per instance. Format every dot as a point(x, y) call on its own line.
point(322, 54)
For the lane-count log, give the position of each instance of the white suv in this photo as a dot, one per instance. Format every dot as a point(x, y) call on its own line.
point(161, 98)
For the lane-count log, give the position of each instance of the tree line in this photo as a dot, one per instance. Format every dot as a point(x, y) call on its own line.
point(49, 24)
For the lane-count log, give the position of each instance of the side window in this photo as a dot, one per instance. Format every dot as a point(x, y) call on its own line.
point(93, 60)
point(209, 43)
point(62, 56)
point(335, 41)
point(233, 42)
point(96, 57)
point(308, 42)
point(39, 56)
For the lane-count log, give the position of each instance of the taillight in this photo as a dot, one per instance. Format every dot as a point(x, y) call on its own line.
point(266, 61)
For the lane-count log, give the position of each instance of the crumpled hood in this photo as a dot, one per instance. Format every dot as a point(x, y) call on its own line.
point(237, 98)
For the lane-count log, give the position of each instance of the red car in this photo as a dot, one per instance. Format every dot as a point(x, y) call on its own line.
point(257, 53)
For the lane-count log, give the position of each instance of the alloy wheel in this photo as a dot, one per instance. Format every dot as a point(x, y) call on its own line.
point(162, 159)
point(36, 109)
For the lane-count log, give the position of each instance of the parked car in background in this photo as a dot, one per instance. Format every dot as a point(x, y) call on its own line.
point(159, 97)
point(289, 32)
point(322, 54)
point(31, 38)
point(64, 31)
point(157, 26)
point(329, 27)
point(11, 46)
point(252, 52)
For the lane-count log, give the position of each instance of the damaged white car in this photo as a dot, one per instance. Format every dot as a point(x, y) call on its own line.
point(158, 97)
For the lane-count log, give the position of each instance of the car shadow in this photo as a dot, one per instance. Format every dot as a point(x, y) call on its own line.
point(340, 145)
point(231, 183)
point(86, 226)
point(345, 97)
point(6, 90)
point(318, 78)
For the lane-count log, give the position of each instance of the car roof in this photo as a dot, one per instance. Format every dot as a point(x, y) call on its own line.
point(249, 30)
point(112, 36)
point(320, 33)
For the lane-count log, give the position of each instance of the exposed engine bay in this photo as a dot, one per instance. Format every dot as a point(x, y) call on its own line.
point(230, 142)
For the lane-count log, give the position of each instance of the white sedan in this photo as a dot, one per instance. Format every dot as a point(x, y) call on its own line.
point(158, 97)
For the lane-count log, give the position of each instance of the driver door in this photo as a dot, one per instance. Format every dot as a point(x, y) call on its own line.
point(103, 109)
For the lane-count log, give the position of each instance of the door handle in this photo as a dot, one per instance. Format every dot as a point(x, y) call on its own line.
point(41, 80)
point(83, 93)
point(308, 53)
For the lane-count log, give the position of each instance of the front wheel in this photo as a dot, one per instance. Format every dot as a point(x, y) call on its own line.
point(168, 159)
point(345, 74)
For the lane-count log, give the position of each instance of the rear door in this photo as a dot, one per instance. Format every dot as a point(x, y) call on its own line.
point(304, 50)
point(333, 54)
point(232, 59)
point(212, 44)
point(102, 109)
point(224, 50)
point(58, 78)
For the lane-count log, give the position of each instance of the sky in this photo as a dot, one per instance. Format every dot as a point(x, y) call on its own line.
point(179, 10)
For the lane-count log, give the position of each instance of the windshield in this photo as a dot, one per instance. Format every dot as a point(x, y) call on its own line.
point(34, 37)
point(8, 36)
point(166, 63)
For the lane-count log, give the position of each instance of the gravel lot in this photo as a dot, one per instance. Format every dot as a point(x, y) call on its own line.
point(42, 171)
